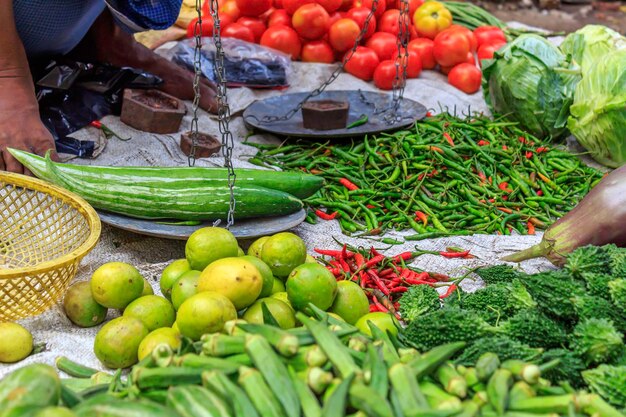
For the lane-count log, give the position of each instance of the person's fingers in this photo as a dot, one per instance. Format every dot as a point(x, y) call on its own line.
point(209, 84)
point(12, 164)
point(2, 165)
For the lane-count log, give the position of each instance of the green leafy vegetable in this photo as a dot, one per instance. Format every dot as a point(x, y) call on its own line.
point(617, 289)
point(609, 382)
point(618, 260)
point(417, 301)
point(569, 368)
point(503, 346)
point(588, 259)
point(596, 341)
point(589, 307)
point(498, 274)
point(598, 284)
point(535, 329)
point(591, 44)
point(553, 291)
point(499, 301)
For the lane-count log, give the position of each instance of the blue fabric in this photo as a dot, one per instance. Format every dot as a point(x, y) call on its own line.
point(146, 14)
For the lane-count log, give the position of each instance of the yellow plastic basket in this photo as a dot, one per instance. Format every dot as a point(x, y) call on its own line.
point(45, 231)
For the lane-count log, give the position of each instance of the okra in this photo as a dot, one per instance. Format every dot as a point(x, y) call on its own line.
point(324, 317)
point(394, 400)
point(147, 378)
point(229, 392)
point(548, 404)
point(191, 360)
point(232, 328)
point(358, 343)
point(113, 407)
point(260, 393)
point(486, 365)
point(521, 391)
point(330, 389)
point(308, 401)
point(196, 401)
point(241, 359)
point(438, 399)
point(74, 369)
point(336, 404)
point(431, 360)
point(498, 389)
point(451, 380)
point(309, 356)
point(407, 354)
point(594, 405)
point(316, 378)
point(404, 383)
point(365, 399)
point(379, 378)
point(526, 371)
point(69, 397)
point(390, 354)
point(285, 343)
point(469, 408)
point(219, 345)
point(471, 377)
point(306, 338)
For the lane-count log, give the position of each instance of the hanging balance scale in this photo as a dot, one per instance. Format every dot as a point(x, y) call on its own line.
point(341, 113)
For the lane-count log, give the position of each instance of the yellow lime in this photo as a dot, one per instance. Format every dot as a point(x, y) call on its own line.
point(147, 288)
point(283, 252)
point(205, 312)
point(310, 260)
point(280, 311)
point(55, 412)
point(154, 311)
point(80, 306)
point(240, 252)
point(209, 244)
point(266, 274)
point(17, 342)
point(165, 335)
point(117, 342)
point(170, 274)
point(185, 287)
point(282, 296)
point(311, 283)
point(383, 321)
point(175, 327)
point(351, 302)
point(116, 284)
point(256, 247)
point(236, 278)
point(278, 286)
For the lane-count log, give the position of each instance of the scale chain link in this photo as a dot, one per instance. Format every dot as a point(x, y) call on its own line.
point(197, 66)
point(402, 60)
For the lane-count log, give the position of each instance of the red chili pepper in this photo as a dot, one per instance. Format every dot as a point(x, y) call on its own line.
point(374, 252)
point(413, 281)
point(327, 252)
point(529, 154)
point(541, 149)
point(96, 123)
point(344, 251)
point(482, 176)
point(492, 200)
point(326, 216)
point(374, 261)
point(448, 138)
point(378, 282)
point(420, 177)
point(370, 206)
point(386, 272)
point(539, 193)
point(336, 272)
point(344, 265)
point(429, 114)
point(448, 292)
point(439, 277)
point(522, 139)
point(455, 254)
point(316, 171)
point(348, 184)
point(359, 259)
point(482, 142)
point(422, 216)
point(505, 148)
point(380, 306)
point(531, 228)
point(397, 290)
point(504, 186)
point(405, 256)
point(435, 149)
point(505, 198)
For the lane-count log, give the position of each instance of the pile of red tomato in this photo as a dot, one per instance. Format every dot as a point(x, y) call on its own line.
point(326, 30)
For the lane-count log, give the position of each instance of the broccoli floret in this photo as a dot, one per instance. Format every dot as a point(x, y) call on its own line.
point(535, 329)
point(498, 274)
point(417, 301)
point(609, 382)
point(498, 301)
point(596, 341)
point(589, 307)
point(568, 369)
point(588, 259)
point(598, 284)
point(618, 260)
point(445, 326)
point(553, 292)
point(503, 346)
point(617, 290)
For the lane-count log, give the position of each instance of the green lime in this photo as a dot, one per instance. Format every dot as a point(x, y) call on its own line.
point(282, 312)
point(266, 274)
point(310, 260)
point(256, 247)
point(185, 287)
point(209, 244)
point(80, 306)
point(116, 284)
point(240, 252)
point(17, 342)
point(55, 412)
point(164, 335)
point(282, 296)
point(351, 302)
point(170, 274)
point(147, 288)
point(117, 342)
point(278, 286)
point(203, 313)
point(383, 321)
point(154, 311)
point(283, 252)
point(236, 278)
point(175, 327)
point(311, 283)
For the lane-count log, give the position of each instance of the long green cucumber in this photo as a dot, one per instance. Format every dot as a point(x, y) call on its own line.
point(296, 184)
point(37, 385)
point(122, 408)
point(196, 401)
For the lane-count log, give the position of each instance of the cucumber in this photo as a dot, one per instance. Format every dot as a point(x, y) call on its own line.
point(37, 385)
point(195, 401)
point(296, 184)
point(113, 407)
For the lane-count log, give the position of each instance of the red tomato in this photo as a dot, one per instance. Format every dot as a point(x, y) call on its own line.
point(336, 16)
point(424, 48)
point(253, 8)
point(413, 31)
point(359, 15)
point(468, 34)
point(486, 50)
point(489, 34)
point(414, 66)
point(385, 74)
point(389, 22)
point(292, 5)
point(343, 34)
point(279, 17)
point(207, 25)
point(363, 63)
point(380, 7)
point(255, 24)
point(238, 31)
point(278, 4)
point(384, 44)
point(450, 47)
point(231, 9)
point(465, 77)
point(318, 51)
point(284, 39)
point(470, 59)
point(346, 5)
point(265, 16)
point(413, 5)
point(331, 6)
point(445, 70)
point(310, 21)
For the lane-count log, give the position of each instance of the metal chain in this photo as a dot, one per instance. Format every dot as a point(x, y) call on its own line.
point(402, 61)
point(197, 73)
point(333, 76)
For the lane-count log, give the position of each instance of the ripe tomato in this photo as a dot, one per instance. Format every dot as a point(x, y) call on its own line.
point(413, 5)
point(486, 50)
point(424, 48)
point(292, 5)
point(385, 74)
point(231, 9)
point(470, 59)
point(346, 5)
point(450, 47)
point(363, 63)
point(431, 18)
point(359, 15)
point(207, 25)
point(278, 4)
point(468, 34)
point(265, 16)
point(489, 34)
point(255, 24)
point(310, 21)
point(318, 51)
point(331, 6)
point(389, 22)
point(384, 44)
point(336, 16)
point(465, 77)
point(343, 34)
point(253, 8)
point(238, 31)
point(380, 7)
point(284, 39)
point(279, 17)
point(414, 65)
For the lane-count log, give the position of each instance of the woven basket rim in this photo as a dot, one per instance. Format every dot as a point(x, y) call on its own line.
point(76, 202)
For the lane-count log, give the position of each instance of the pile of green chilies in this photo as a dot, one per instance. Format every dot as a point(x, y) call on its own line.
point(445, 176)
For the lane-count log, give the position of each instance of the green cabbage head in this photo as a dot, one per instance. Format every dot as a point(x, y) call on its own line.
point(591, 44)
point(598, 115)
point(532, 82)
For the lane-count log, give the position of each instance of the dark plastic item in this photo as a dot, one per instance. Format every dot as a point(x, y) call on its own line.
point(325, 114)
point(207, 145)
point(152, 111)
